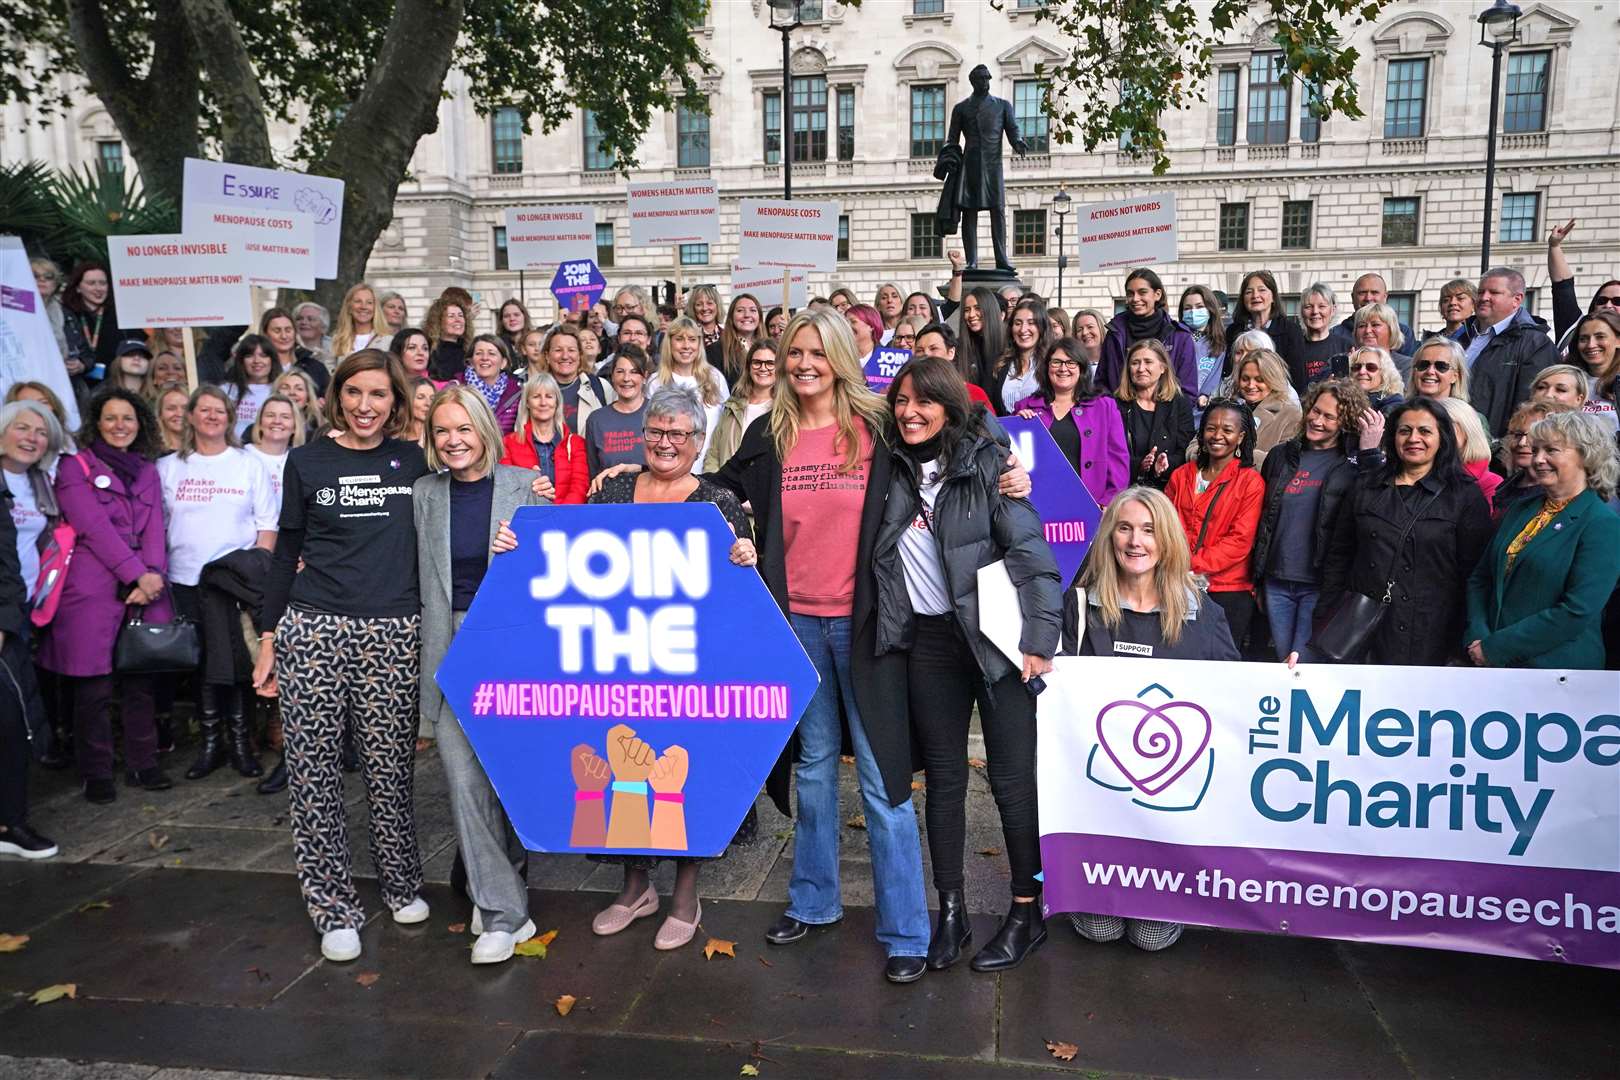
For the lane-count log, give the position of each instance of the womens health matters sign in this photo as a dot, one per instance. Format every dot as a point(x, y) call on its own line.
point(625, 686)
point(1469, 809)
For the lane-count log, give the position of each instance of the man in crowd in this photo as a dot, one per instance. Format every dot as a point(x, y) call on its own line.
point(1370, 289)
point(1508, 352)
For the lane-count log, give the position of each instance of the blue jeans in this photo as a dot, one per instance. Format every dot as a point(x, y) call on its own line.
point(1289, 606)
point(813, 894)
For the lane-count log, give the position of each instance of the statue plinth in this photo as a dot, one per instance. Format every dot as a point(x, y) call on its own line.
point(992, 278)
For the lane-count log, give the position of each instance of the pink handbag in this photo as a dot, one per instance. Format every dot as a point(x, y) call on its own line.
point(53, 567)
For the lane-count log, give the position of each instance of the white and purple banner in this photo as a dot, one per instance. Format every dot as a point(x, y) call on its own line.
point(1469, 809)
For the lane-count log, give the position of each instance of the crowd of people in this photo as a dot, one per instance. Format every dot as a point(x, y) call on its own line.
point(1300, 489)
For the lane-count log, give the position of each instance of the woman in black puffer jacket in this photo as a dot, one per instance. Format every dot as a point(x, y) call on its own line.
point(944, 520)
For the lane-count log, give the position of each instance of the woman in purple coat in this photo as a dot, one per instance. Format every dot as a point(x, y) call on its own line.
point(110, 493)
point(1084, 423)
point(1147, 315)
point(488, 372)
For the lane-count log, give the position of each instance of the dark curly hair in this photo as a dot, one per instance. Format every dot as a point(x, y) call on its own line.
point(1245, 454)
point(1353, 406)
point(148, 440)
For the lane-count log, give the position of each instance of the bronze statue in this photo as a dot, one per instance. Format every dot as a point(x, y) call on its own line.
point(972, 171)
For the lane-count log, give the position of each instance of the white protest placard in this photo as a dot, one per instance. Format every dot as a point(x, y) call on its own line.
point(766, 286)
point(542, 236)
point(796, 235)
point(28, 349)
point(673, 212)
point(212, 184)
point(177, 280)
point(1132, 232)
point(278, 247)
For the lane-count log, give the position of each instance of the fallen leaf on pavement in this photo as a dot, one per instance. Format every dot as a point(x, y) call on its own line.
point(532, 947)
point(547, 938)
point(95, 905)
point(976, 762)
point(847, 759)
point(764, 961)
point(157, 840)
point(12, 942)
point(54, 993)
point(565, 1004)
point(748, 1070)
point(457, 928)
point(721, 946)
point(1063, 1051)
point(857, 822)
point(264, 976)
point(367, 979)
point(990, 851)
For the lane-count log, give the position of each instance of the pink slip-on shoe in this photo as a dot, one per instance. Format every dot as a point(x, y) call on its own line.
point(616, 917)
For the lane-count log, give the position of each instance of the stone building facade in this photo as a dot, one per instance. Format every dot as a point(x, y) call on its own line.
point(1258, 182)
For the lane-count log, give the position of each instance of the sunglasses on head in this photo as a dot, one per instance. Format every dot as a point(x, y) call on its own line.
point(1441, 366)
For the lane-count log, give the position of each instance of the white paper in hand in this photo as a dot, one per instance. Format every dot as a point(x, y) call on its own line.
point(1001, 620)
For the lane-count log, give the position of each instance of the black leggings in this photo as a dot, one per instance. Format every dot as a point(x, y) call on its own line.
point(944, 682)
point(1239, 609)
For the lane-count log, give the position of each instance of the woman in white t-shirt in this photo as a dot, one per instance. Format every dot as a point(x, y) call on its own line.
point(247, 380)
point(279, 428)
point(217, 501)
point(681, 362)
point(30, 441)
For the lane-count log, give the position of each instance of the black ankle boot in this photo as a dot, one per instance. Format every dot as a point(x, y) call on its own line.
point(236, 728)
point(212, 753)
point(1021, 933)
point(165, 732)
point(347, 755)
point(276, 781)
point(952, 933)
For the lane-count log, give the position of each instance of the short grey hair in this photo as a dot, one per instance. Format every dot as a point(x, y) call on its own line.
point(55, 438)
point(1454, 353)
point(679, 403)
point(1322, 289)
point(1583, 381)
point(1514, 279)
point(326, 316)
point(1386, 315)
point(1250, 340)
point(641, 298)
point(537, 381)
point(1592, 439)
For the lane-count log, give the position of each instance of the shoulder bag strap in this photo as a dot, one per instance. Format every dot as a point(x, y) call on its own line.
point(1209, 512)
point(1400, 544)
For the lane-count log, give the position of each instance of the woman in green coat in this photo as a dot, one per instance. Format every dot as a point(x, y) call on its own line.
point(1536, 598)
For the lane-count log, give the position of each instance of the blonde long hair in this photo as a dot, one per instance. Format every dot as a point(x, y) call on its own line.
point(1172, 575)
point(343, 334)
point(852, 399)
point(707, 387)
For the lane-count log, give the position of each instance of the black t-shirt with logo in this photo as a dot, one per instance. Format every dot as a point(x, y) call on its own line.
point(347, 514)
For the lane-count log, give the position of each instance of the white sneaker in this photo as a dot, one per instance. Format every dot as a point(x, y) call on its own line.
point(339, 946)
point(496, 946)
point(414, 912)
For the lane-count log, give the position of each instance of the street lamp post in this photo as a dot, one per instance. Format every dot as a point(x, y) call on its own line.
point(1498, 28)
point(790, 7)
point(1061, 204)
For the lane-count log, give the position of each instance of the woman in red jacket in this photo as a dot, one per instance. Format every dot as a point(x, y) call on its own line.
point(543, 442)
point(1219, 497)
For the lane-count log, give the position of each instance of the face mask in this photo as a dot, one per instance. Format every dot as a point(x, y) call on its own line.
point(1196, 318)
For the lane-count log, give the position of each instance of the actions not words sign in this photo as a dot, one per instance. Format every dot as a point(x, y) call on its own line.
point(1132, 232)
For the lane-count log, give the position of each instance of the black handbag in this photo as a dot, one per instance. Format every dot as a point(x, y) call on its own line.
point(1348, 633)
point(156, 648)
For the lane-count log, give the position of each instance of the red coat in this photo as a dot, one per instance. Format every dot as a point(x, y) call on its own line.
point(1223, 557)
point(572, 478)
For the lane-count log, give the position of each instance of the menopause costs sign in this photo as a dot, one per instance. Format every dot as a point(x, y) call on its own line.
point(625, 686)
point(1467, 809)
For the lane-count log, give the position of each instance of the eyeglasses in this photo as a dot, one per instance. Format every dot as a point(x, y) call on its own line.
point(674, 438)
point(763, 365)
point(1615, 300)
point(1439, 366)
point(1058, 362)
point(1517, 436)
point(1367, 365)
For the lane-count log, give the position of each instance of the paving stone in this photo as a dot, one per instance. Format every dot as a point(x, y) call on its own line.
point(1216, 1004)
point(195, 847)
point(804, 997)
point(178, 936)
point(14, 1068)
point(31, 893)
point(1464, 1015)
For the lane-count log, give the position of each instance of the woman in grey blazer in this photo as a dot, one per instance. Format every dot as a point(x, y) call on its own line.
point(460, 508)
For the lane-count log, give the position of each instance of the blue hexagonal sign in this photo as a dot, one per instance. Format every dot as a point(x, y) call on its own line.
point(626, 687)
point(1068, 512)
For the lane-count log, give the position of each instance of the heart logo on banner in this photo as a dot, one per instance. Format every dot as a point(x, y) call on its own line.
point(1153, 746)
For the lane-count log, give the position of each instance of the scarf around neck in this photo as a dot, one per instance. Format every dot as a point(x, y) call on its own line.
point(122, 463)
point(491, 392)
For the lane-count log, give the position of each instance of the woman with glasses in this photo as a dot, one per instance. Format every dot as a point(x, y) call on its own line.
point(1518, 455)
point(1084, 422)
point(750, 399)
point(1374, 370)
point(1439, 370)
point(676, 422)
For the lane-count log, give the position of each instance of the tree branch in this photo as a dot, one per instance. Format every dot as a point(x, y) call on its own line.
point(234, 86)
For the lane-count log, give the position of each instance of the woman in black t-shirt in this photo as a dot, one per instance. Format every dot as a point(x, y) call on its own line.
point(343, 636)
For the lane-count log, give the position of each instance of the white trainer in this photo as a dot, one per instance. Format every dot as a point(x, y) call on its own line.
point(496, 946)
point(414, 912)
point(339, 946)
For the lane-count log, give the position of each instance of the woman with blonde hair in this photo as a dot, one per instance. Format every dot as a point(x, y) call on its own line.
point(1439, 370)
point(1157, 416)
point(543, 443)
point(396, 315)
point(170, 408)
point(1377, 324)
point(1137, 598)
point(703, 308)
point(359, 323)
point(750, 399)
point(1261, 380)
point(816, 469)
point(448, 326)
point(1473, 445)
point(297, 387)
point(1373, 369)
point(1565, 384)
point(743, 327)
point(681, 362)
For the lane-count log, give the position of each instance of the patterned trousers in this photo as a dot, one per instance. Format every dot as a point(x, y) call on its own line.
point(330, 667)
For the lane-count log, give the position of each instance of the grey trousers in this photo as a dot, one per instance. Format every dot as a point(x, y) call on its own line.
point(489, 846)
